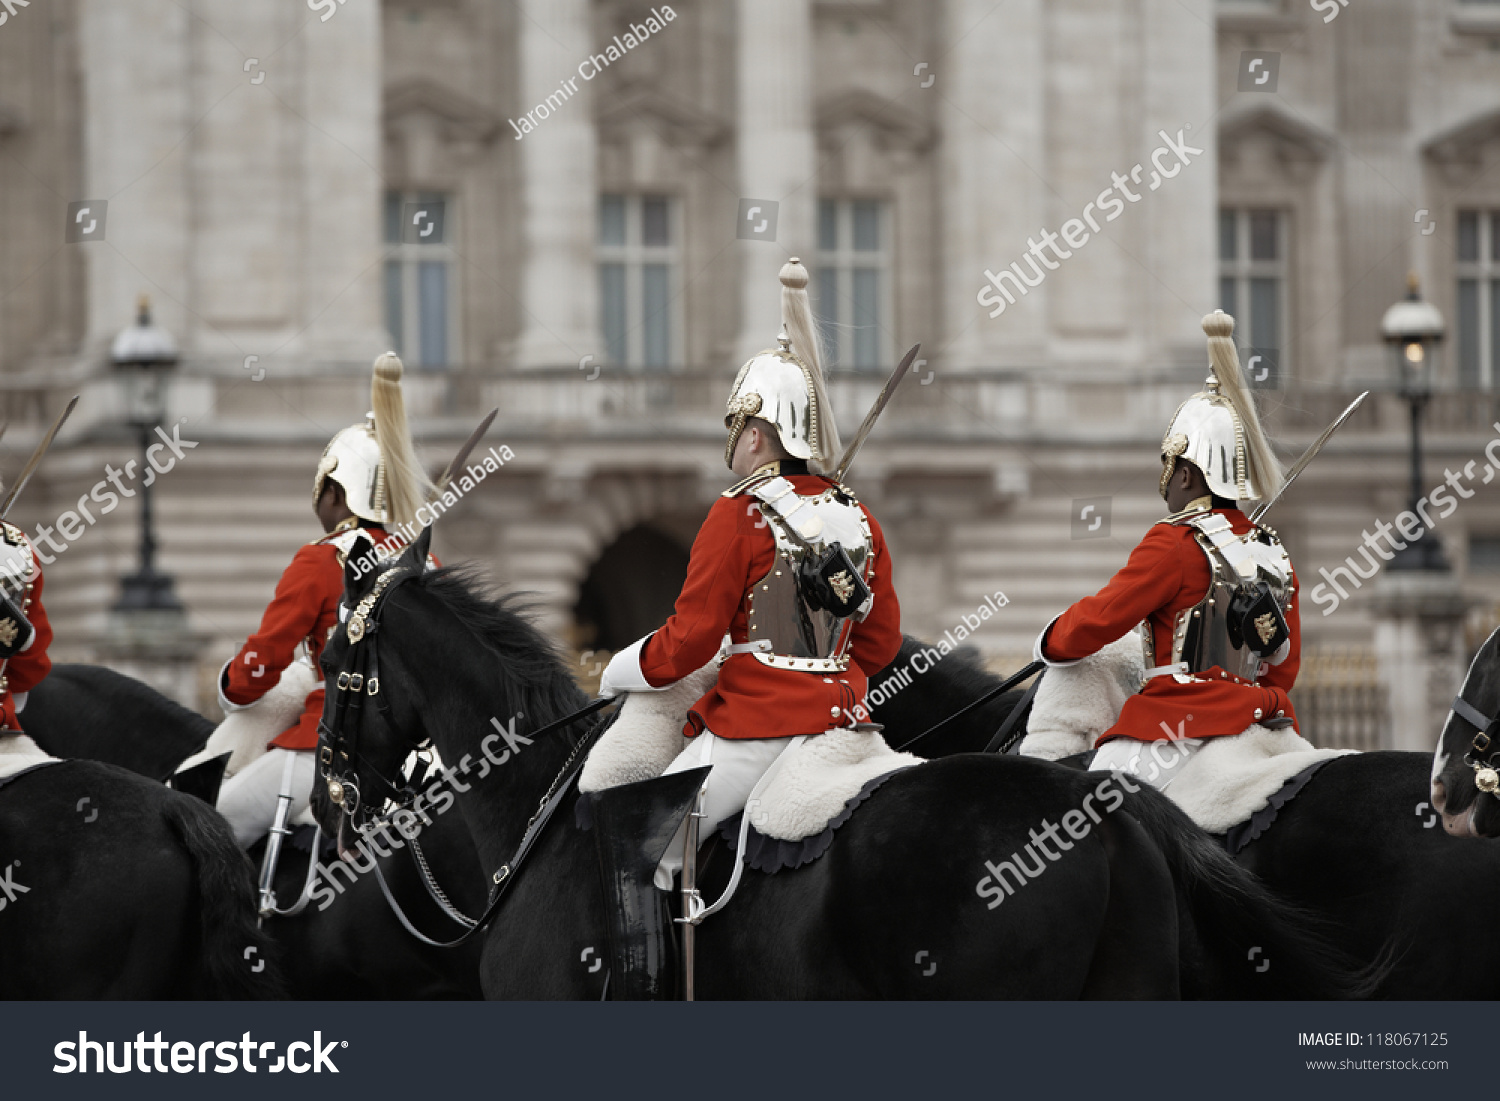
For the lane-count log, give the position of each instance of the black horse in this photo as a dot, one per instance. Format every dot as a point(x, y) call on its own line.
point(1140, 907)
point(1359, 846)
point(116, 887)
point(93, 713)
point(345, 944)
point(1468, 747)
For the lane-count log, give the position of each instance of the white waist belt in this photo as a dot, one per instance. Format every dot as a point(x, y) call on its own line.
point(1163, 670)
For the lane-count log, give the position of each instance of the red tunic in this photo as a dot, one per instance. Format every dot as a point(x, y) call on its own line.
point(304, 609)
point(734, 550)
point(27, 669)
point(1167, 573)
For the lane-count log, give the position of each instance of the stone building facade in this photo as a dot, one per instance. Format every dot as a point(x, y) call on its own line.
point(613, 187)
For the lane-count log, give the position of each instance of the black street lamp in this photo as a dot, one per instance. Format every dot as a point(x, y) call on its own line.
point(143, 354)
point(1414, 329)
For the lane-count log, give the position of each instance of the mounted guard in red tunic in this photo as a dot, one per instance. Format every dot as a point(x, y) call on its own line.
point(1213, 593)
point(368, 483)
point(789, 583)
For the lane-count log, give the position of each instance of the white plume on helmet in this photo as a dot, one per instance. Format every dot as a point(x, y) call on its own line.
point(784, 385)
point(376, 462)
point(1218, 429)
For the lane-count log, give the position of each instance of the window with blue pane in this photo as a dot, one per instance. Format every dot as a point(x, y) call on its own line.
point(852, 282)
point(1254, 278)
point(1477, 302)
point(639, 280)
point(418, 292)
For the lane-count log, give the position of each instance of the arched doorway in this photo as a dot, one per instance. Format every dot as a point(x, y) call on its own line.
point(630, 589)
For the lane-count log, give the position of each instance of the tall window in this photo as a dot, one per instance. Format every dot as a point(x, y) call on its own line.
point(1253, 281)
point(638, 277)
point(1478, 271)
point(852, 281)
point(419, 291)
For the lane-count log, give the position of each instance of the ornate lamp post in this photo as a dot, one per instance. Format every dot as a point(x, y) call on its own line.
point(143, 354)
point(1414, 330)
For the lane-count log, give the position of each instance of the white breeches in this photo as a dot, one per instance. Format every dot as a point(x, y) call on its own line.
point(738, 764)
point(248, 800)
point(1157, 763)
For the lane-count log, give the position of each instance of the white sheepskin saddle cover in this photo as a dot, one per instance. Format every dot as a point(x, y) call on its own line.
point(18, 753)
point(246, 735)
point(1225, 782)
point(817, 779)
point(814, 782)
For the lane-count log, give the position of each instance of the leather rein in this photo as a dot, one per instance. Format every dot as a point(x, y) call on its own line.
point(360, 678)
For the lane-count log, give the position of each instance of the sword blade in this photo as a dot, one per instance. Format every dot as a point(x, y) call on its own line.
point(1307, 456)
point(36, 458)
point(469, 445)
point(874, 414)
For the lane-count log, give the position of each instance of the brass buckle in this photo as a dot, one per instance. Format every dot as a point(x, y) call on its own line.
point(325, 754)
point(356, 682)
point(343, 681)
point(374, 686)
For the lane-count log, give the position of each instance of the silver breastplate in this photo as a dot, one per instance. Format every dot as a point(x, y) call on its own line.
point(1201, 635)
point(801, 637)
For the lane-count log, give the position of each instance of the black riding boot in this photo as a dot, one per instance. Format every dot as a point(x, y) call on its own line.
point(633, 825)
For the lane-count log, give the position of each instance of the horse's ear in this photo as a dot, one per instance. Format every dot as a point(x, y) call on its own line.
point(359, 570)
point(416, 554)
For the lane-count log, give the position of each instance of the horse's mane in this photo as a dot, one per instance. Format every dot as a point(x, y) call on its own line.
point(534, 677)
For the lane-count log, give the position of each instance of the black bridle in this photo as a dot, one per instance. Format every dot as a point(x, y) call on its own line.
point(338, 751)
point(1481, 754)
point(359, 678)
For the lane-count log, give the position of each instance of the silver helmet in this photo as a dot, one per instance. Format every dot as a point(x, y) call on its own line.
point(352, 459)
point(1218, 429)
point(784, 385)
point(375, 461)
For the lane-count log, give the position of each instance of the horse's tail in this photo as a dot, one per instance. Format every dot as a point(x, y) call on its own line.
point(237, 960)
point(1258, 945)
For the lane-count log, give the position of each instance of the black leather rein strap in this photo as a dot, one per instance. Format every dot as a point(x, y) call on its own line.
point(1001, 689)
point(1004, 741)
point(502, 879)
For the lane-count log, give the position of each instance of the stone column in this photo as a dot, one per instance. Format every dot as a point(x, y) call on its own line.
point(559, 185)
point(995, 174)
point(1177, 242)
point(342, 190)
point(777, 155)
point(1419, 648)
point(137, 117)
